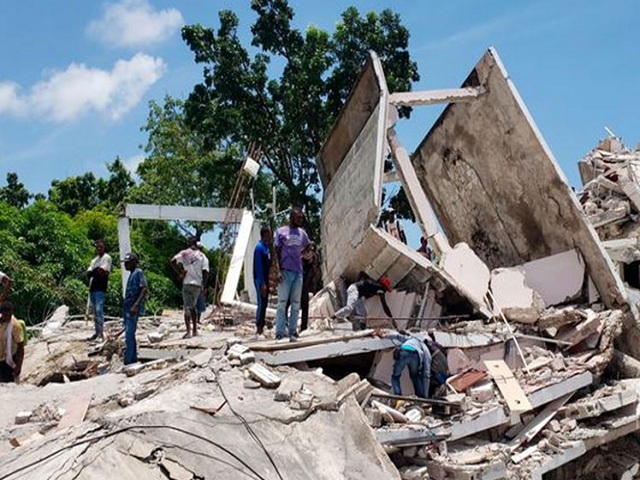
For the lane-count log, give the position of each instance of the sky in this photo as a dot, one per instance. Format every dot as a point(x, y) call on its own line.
point(76, 76)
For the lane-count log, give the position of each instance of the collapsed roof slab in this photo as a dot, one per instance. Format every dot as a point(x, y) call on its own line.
point(494, 184)
point(351, 162)
point(382, 254)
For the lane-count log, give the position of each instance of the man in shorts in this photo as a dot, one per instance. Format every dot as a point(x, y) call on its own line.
point(192, 267)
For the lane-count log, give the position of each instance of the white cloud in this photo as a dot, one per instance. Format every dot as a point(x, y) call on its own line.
point(132, 163)
point(10, 101)
point(78, 90)
point(134, 23)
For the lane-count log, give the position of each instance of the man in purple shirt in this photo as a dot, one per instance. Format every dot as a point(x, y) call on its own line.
point(290, 241)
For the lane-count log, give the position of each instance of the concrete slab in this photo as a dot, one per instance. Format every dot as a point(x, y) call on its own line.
point(517, 300)
point(351, 164)
point(319, 352)
point(494, 184)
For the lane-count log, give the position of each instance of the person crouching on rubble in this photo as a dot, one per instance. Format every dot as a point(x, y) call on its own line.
point(133, 305)
point(425, 359)
point(11, 345)
point(364, 287)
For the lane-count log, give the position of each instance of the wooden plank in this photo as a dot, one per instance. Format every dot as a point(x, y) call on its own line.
point(508, 385)
point(75, 410)
point(538, 423)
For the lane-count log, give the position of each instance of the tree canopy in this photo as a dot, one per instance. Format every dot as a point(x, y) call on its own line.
point(287, 94)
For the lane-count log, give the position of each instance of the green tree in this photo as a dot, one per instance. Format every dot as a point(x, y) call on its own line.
point(15, 193)
point(85, 192)
point(241, 102)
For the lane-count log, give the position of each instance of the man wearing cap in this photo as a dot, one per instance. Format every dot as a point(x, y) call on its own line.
point(365, 287)
point(11, 345)
point(133, 305)
point(192, 267)
point(98, 273)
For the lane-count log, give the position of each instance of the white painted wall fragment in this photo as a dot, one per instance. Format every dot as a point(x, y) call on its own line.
point(468, 270)
point(518, 301)
point(557, 278)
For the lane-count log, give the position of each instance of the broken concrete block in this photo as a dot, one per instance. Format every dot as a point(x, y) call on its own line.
point(201, 359)
point(23, 417)
point(518, 302)
point(347, 382)
point(264, 376)
point(247, 358)
point(231, 341)
point(301, 399)
point(374, 417)
point(414, 414)
point(414, 472)
point(481, 393)
point(133, 369)
point(286, 389)
point(236, 350)
point(389, 413)
point(157, 336)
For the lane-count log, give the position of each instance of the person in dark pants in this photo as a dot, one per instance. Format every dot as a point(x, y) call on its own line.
point(261, 267)
point(365, 287)
point(310, 280)
point(411, 352)
point(133, 305)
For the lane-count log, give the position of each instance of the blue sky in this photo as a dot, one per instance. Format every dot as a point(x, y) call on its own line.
point(76, 76)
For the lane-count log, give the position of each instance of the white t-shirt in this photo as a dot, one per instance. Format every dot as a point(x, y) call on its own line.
point(394, 228)
point(193, 262)
point(104, 262)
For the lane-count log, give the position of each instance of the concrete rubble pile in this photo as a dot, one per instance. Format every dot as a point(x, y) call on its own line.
point(533, 308)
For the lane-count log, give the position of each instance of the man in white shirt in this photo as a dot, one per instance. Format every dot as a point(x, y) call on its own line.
point(98, 273)
point(192, 266)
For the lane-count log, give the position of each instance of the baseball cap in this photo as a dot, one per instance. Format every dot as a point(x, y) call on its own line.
point(386, 283)
point(130, 257)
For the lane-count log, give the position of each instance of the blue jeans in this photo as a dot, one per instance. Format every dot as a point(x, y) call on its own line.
point(289, 290)
point(130, 348)
point(97, 303)
point(408, 358)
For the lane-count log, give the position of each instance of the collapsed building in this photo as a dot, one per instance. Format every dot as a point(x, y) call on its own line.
point(532, 298)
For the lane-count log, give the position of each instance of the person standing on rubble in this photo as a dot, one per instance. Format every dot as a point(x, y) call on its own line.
point(364, 287)
point(290, 241)
point(424, 248)
point(261, 268)
point(98, 273)
point(393, 226)
point(133, 305)
point(192, 266)
point(11, 345)
point(201, 304)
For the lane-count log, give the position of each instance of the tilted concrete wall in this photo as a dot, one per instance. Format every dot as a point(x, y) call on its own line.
point(352, 161)
point(495, 185)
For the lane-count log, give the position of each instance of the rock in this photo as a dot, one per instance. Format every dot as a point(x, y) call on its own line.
point(126, 398)
point(413, 472)
point(262, 374)
point(23, 417)
point(250, 384)
point(286, 389)
point(301, 399)
point(133, 369)
point(156, 337)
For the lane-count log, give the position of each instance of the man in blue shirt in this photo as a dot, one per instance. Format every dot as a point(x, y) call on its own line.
point(261, 267)
point(133, 305)
point(412, 352)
